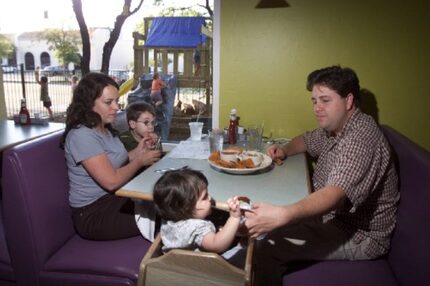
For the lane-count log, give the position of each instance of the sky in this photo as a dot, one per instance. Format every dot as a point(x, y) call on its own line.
point(29, 15)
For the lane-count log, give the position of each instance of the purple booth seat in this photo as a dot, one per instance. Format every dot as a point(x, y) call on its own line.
point(7, 276)
point(44, 247)
point(408, 261)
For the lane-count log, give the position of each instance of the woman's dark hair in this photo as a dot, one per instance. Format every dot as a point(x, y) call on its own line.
point(135, 109)
point(176, 193)
point(80, 110)
point(343, 80)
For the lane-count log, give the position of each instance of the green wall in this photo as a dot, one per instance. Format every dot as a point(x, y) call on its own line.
point(266, 55)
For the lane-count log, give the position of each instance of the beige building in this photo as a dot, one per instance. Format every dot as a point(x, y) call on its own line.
point(32, 51)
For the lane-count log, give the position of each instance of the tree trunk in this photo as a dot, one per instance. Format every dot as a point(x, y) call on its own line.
point(114, 34)
point(208, 8)
point(110, 44)
point(86, 48)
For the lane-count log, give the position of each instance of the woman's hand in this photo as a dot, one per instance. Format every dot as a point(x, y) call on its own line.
point(148, 158)
point(144, 154)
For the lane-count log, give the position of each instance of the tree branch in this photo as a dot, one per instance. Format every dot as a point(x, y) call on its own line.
point(86, 48)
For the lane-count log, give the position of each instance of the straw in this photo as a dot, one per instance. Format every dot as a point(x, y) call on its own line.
point(198, 115)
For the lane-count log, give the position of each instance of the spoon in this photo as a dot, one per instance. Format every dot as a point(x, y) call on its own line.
point(170, 169)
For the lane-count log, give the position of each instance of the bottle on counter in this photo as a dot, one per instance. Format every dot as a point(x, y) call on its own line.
point(232, 128)
point(24, 115)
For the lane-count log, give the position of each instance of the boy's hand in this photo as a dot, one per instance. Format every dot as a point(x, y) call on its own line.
point(151, 141)
point(145, 156)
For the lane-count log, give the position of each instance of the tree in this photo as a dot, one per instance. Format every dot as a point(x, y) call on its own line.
point(65, 45)
point(113, 37)
point(85, 37)
point(206, 6)
point(178, 11)
point(6, 47)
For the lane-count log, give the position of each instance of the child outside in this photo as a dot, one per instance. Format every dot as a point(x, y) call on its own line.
point(74, 83)
point(157, 85)
point(141, 122)
point(44, 92)
point(182, 200)
point(196, 61)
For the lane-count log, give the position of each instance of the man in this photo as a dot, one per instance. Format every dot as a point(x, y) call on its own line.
point(350, 214)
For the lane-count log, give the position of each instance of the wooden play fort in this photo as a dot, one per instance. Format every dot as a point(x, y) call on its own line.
point(176, 45)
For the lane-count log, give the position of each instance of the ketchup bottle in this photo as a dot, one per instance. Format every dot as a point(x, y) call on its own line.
point(24, 115)
point(232, 128)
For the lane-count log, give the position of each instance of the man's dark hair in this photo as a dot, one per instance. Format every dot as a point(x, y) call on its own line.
point(342, 80)
point(176, 193)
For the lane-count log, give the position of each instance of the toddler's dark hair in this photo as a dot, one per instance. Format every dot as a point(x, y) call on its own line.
point(176, 193)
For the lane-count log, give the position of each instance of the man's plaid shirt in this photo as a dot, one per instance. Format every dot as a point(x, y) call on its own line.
point(359, 161)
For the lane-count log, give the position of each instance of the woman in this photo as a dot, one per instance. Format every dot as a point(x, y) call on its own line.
point(98, 163)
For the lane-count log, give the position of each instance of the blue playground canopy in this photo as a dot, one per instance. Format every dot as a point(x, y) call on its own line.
point(176, 32)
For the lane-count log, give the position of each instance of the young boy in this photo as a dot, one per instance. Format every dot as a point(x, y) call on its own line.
point(141, 123)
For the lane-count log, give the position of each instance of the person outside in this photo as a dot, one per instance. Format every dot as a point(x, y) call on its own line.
point(98, 164)
point(350, 214)
point(74, 83)
point(44, 92)
point(182, 200)
point(196, 61)
point(157, 85)
point(141, 122)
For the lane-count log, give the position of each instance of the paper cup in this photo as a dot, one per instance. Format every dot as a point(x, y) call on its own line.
point(196, 130)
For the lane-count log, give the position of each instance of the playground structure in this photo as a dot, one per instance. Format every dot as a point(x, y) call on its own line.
point(174, 54)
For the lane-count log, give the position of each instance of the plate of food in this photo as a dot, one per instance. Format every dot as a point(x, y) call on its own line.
point(239, 162)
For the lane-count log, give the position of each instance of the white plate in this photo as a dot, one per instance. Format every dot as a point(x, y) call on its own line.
point(267, 161)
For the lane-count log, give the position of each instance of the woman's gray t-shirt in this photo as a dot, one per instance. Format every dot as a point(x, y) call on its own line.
point(83, 143)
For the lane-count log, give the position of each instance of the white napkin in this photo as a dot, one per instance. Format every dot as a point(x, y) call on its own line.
point(145, 218)
point(191, 150)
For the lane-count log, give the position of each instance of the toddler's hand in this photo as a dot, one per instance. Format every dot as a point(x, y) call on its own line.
point(233, 204)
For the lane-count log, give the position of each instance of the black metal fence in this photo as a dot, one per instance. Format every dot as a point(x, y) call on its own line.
point(22, 84)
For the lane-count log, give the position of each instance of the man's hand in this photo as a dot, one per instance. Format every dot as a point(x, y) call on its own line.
point(264, 218)
point(276, 152)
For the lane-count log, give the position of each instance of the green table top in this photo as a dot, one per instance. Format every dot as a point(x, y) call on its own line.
point(278, 185)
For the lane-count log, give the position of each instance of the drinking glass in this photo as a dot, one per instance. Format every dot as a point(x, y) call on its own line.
point(216, 140)
point(254, 137)
point(196, 129)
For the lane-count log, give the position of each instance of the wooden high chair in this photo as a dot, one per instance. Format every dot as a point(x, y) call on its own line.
point(186, 267)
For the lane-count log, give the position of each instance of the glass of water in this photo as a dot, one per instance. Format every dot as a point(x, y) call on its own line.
point(254, 136)
point(216, 140)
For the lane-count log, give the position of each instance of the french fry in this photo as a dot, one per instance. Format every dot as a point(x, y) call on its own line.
point(278, 161)
point(241, 164)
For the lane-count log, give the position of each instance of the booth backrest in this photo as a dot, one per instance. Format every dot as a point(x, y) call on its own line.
point(7, 276)
point(409, 256)
point(34, 197)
